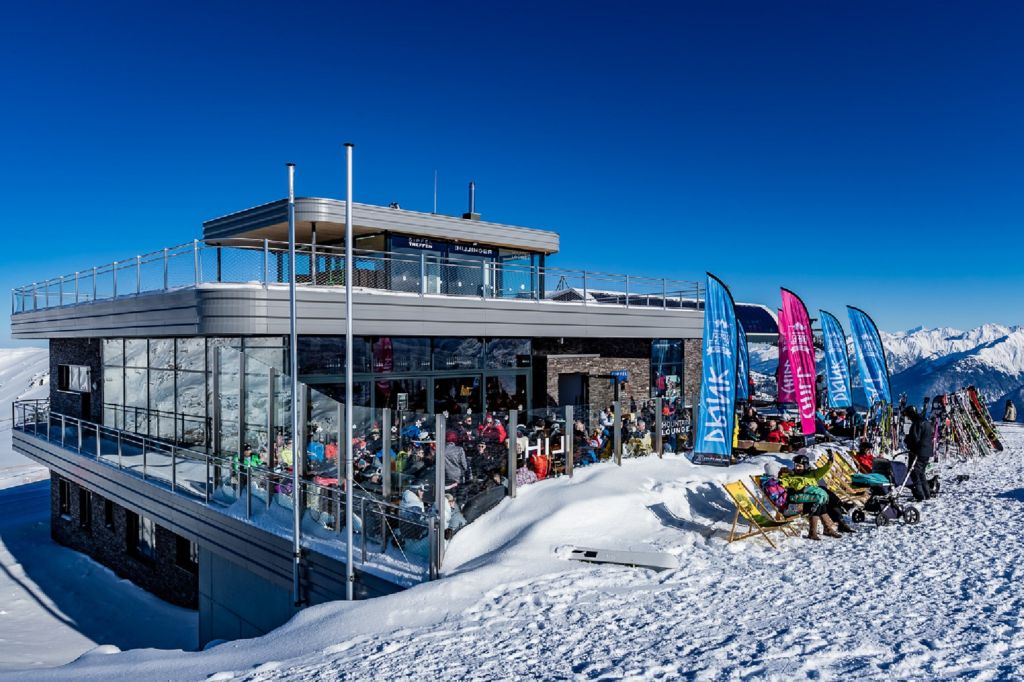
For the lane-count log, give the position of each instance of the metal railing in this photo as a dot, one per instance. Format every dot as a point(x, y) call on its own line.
point(382, 527)
point(264, 262)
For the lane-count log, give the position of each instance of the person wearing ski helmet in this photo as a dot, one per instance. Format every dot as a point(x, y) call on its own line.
point(920, 448)
point(801, 482)
point(834, 507)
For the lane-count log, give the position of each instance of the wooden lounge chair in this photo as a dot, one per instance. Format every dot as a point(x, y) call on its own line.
point(838, 481)
point(757, 521)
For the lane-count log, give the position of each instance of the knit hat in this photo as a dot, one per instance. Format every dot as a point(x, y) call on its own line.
point(772, 469)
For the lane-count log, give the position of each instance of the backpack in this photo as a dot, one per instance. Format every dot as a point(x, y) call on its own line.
point(540, 466)
point(774, 491)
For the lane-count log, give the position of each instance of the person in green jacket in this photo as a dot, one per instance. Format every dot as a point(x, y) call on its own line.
point(802, 485)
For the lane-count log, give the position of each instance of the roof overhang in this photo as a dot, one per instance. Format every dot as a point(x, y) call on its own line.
point(270, 221)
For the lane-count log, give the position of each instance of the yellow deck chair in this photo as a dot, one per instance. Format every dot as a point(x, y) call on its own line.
point(838, 481)
point(757, 521)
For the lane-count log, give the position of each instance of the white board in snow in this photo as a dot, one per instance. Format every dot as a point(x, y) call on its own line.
point(659, 561)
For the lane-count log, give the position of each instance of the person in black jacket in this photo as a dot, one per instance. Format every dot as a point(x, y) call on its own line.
point(919, 445)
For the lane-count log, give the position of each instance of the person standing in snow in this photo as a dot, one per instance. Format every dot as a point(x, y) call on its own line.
point(920, 446)
point(1010, 413)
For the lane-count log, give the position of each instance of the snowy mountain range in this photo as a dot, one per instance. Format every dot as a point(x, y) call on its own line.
point(927, 362)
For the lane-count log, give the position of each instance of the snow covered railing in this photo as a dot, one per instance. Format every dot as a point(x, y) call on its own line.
point(395, 544)
point(265, 262)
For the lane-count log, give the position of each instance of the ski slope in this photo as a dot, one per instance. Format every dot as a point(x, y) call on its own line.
point(940, 600)
point(24, 374)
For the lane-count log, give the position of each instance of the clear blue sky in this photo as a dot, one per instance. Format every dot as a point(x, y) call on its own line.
point(859, 152)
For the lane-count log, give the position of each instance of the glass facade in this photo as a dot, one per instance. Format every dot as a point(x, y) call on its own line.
point(666, 368)
point(422, 374)
point(164, 387)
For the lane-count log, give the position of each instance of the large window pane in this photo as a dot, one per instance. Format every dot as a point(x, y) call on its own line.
point(457, 353)
point(161, 353)
point(191, 354)
point(269, 357)
point(161, 403)
point(387, 393)
point(506, 392)
point(136, 353)
point(136, 400)
point(113, 396)
point(227, 399)
point(325, 355)
point(400, 354)
point(113, 352)
point(457, 395)
point(507, 353)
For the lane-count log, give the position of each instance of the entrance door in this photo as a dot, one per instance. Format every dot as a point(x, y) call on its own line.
point(572, 389)
point(458, 395)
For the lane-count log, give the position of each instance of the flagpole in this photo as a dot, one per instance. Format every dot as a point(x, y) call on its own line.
point(298, 449)
point(350, 575)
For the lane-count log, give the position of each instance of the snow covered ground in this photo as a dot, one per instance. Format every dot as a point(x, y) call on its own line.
point(56, 604)
point(940, 600)
point(24, 374)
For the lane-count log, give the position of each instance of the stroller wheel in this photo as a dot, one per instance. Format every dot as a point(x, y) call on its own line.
point(881, 520)
point(911, 515)
point(857, 516)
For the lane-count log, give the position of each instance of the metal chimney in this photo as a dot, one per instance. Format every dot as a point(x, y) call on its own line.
point(472, 215)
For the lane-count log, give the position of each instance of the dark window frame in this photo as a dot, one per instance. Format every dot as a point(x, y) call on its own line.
point(64, 498)
point(186, 554)
point(85, 509)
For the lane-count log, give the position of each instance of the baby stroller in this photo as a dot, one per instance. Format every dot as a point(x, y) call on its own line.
point(884, 501)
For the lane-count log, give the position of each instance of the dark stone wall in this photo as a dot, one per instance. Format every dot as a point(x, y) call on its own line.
point(77, 352)
point(633, 355)
point(693, 365)
point(109, 546)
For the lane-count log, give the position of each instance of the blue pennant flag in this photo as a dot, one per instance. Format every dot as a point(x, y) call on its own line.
point(742, 365)
point(867, 343)
point(837, 365)
point(713, 444)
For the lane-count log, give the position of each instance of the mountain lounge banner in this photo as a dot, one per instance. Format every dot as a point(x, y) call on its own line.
point(837, 366)
point(867, 343)
point(713, 444)
point(784, 373)
point(800, 349)
point(742, 364)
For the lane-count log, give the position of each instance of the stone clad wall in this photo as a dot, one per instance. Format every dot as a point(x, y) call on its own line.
point(693, 365)
point(109, 546)
point(77, 352)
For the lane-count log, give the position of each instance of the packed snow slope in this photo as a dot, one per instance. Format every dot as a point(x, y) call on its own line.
point(939, 600)
point(24, 373)
point(56, 604)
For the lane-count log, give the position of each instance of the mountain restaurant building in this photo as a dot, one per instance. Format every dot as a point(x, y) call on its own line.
point(167, 427)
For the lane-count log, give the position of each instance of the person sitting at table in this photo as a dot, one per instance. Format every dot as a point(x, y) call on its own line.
point(775, 433)
point(491, 430)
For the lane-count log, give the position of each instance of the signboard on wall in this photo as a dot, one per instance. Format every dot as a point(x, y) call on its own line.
point(622, 375)
point(439, 246)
